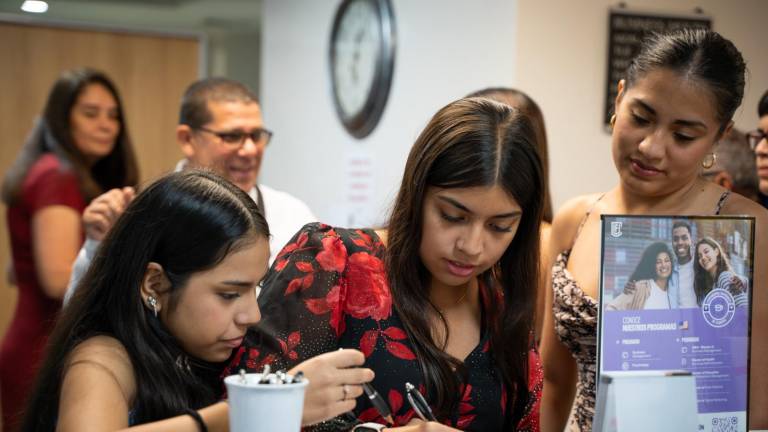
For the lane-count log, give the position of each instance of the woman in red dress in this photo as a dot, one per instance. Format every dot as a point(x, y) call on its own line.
point(77, 150)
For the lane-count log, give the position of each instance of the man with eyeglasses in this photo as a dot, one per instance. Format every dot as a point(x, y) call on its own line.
point(758, 140)
point(220, 128)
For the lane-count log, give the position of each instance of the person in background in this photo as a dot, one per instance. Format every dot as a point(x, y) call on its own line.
point(166, 300)
point(518, 99)
point(734, 167)
point(78, 149)
point(676, 102)
point(220, 128)
point(443, 297)
point(758, 141)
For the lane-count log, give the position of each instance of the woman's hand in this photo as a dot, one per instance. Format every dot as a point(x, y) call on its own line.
point(629, 287)
point(104, 210)
point(736, 286)
point(334, 383)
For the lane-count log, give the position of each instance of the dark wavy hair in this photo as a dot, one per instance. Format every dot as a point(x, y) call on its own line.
point(187, 222)
point(702, 280)
point(468, 143)
point(646, 268)
point(698, 54)
point(52, 134)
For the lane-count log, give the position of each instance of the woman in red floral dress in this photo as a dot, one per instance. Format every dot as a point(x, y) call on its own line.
point(443, 298)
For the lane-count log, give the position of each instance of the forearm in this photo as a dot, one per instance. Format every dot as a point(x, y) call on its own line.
point(216, 418)
point(556, 402)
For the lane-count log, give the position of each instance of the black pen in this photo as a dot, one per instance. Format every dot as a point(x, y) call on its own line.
point(418, 403)
point(378, 403)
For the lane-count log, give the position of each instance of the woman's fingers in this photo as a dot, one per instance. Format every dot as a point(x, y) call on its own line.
point(352, 392)
point(354, 376)
point(344, 358)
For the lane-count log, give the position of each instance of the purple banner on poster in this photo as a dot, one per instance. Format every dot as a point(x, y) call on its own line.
point(658, 340)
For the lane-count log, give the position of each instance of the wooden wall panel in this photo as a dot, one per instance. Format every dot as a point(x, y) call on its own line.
point(150, 71)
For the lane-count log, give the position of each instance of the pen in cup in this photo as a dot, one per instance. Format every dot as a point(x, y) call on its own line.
point(418, 403)
point(378, 403)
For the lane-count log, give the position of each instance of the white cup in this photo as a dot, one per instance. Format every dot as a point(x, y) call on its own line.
point(255, 407)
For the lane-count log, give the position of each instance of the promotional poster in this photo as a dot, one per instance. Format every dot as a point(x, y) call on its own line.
point(675, 296)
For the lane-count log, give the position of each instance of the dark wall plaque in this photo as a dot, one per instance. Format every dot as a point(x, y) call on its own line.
point(626, 31)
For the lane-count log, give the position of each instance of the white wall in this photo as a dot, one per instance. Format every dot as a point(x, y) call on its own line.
point(446, 49)
point(555, 50)
point(561, 55)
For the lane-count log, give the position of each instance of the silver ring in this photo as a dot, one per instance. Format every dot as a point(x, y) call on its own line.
point(345, 390)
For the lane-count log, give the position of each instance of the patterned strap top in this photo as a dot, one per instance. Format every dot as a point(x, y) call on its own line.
point(575, 323)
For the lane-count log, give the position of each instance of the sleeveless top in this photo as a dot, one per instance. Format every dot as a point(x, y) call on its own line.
point(575, 323)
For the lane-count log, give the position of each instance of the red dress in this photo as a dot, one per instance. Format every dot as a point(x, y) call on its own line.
point(47, 183)
point(327, 290)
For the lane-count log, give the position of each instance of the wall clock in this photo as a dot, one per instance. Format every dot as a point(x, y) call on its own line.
point(362, 59)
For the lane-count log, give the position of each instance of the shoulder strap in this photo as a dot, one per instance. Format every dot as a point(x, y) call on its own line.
point(721, 202)
point(584, 219)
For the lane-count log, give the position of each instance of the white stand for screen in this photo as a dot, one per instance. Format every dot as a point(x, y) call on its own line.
point(646, 402)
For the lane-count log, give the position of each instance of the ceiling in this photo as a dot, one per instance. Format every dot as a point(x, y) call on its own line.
point(164, 15)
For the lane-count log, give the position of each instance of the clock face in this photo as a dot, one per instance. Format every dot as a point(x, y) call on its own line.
point(356, 49)
point(361, 62)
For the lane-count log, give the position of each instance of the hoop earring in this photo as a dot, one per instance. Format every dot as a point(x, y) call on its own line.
point(613, 120)
point(709, 161)
point(153, 304)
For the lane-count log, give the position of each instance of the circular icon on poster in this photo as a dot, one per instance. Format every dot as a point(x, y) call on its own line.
point(718, 308)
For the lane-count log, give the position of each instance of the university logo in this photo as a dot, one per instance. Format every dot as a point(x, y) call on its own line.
point(616, 229)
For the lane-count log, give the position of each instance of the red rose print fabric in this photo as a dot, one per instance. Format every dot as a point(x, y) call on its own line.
point(327, 290)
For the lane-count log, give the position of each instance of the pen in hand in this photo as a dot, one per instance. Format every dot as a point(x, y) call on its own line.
point(418, 403)
point(378, 403)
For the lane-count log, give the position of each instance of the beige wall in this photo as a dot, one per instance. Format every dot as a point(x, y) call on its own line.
point(561, 63)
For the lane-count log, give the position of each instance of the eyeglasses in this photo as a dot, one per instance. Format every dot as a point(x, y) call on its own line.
point(259, 136)
point(754, 137)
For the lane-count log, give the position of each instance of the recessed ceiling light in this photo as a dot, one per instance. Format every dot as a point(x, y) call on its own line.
point(34, 6)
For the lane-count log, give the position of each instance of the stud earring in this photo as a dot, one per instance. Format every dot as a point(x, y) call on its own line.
point(709, 161)
point(613, 120)
point(153, 304)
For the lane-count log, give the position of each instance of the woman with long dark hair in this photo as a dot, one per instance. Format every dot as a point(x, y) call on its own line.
point(78, 149)
point(167, 299)
point(443, 298)
point(520, 100)
point(651, 281)
point(676, 102)
point(712, 270)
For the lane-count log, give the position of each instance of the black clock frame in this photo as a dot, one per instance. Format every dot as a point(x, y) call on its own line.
point(362, 123)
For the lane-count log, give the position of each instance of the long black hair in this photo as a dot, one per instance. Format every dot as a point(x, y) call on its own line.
point(518, 99)
point(646, 268)
point(468, 143)
point(52, 134)
point(186, 222)
point(698, 54)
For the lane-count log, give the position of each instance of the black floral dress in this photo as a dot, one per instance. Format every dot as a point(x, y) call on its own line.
point(328, 290)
